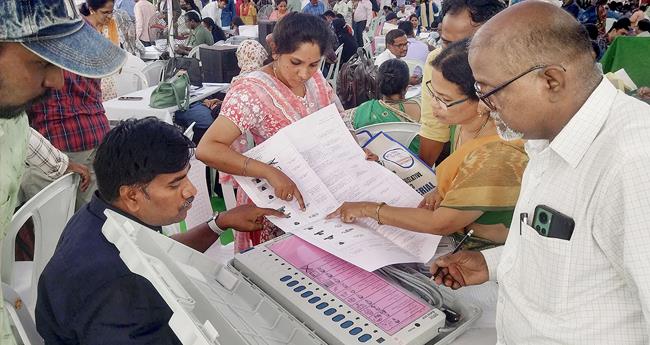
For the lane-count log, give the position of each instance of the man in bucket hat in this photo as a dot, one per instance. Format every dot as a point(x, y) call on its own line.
point(38, 39)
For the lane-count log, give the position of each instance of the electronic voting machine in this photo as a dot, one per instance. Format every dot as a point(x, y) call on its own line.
point(285, 291)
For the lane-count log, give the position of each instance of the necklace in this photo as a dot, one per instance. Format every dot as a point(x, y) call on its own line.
point(458, 139)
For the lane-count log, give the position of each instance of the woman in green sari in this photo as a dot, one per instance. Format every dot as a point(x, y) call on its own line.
point(393, 80)
point(478, 184)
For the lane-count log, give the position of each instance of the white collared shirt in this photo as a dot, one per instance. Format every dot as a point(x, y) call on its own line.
point(595, 288)
point(383, 57)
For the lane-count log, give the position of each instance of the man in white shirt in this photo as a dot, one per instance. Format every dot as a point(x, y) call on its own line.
point(397, 46)
point(589, 148)
point(212, 10)
point(362, 15)
point(144, 11)
point(417, 50)
point(344, 8)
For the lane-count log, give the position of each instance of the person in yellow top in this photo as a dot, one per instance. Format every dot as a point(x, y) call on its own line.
point(248, 12)
point(460, 20)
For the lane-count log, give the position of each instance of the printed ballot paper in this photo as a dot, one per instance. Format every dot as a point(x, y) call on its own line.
point(320, 155)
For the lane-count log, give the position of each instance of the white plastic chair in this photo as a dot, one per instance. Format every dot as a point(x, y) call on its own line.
point(50, 210)
point(403, 132)
point(130, 80)
point(154, 72)
point(333, 73)
point(20, 317)
point(189, 131)
point(195, 52)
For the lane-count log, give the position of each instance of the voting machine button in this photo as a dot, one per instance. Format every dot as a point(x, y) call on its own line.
point(322, 305)
point(355, 331)
point(365, 338)
point(306, 294)
point(338, 318)
point(314, 300)
point(299, 288)
point(285, 278)
point(329, 311)
point(347, 324)
point(292, 283)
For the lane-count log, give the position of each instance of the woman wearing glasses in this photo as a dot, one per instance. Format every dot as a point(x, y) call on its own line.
point(478, 184)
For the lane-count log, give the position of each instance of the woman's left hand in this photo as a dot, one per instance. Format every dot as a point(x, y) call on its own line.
point(371, 156)
point(351, 211)
point(431, 200)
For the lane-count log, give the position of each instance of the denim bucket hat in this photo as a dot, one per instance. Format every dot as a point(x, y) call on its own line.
point(54, 30)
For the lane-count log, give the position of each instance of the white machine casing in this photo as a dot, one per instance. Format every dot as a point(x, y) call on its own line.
point(216, 304)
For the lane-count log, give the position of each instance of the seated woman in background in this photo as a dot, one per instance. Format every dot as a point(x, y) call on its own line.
point(217, 33)
point(236, 23)
point(264, 101)
point(478, 184)
point(344, 37)
point(393, 80)
point(280, 11)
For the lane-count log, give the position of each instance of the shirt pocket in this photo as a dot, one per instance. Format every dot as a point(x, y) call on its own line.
point(544, 270)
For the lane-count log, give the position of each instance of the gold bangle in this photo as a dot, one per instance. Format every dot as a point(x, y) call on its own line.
point(243, 172)
point(379, 208)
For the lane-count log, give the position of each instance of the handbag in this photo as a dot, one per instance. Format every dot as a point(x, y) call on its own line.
point(173, 92)
point(191, 65)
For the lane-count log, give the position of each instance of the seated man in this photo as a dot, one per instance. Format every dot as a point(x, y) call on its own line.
point(86, 294)
point(198, 34)
point(397, 46)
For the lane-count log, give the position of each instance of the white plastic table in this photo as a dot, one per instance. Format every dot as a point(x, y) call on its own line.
point(117, 110)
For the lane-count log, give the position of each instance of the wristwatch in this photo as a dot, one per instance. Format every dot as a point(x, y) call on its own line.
point(212, 223)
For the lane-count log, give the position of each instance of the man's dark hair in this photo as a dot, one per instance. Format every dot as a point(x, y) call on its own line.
point(394, 34)
point(237, 21)
point(644, 25)
point(623, 23)
point(480, 10)
point(290, 33)
point(329, 13)
point(407, 27)
point(193, 17)
point(453, 63)
point(393, 77)
point(643, 7)
point(136, 151)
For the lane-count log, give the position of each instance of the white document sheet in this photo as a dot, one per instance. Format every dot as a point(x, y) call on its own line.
point(320, 155)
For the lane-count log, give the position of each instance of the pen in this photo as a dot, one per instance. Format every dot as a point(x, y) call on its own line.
point(460, 244)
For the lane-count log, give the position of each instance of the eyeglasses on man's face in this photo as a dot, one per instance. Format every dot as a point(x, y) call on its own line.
point(485, 96)
point(442, 103)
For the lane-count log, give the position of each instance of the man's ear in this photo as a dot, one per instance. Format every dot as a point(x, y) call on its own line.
point(131, 197)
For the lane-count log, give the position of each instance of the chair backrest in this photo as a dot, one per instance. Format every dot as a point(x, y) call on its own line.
point(195, 52)
point(403, 132)
point(332, 74)
point(50, 210)
point(264, 12)
point(130, 80)
point(154, 72)
point(20, 317)
point(189, 131)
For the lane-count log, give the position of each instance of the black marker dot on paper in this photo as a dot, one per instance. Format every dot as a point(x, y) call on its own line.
point(330, 237)
point(341, 243)
point(262, 188)
point(271, 197)
point(296, 223)
point(319, 233)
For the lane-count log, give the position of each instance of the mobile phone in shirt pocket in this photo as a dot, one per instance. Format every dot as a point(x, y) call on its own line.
point(544, 270)
point(551, 223)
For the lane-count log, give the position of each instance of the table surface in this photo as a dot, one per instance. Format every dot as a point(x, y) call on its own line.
point(117, 110)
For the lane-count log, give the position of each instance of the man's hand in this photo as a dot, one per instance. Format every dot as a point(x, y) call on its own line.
point(461, 269)
point(83, 171)
point(246, 217)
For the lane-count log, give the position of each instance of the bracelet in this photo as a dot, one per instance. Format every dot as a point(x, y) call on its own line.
point(379, 208)
point(243, 172)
